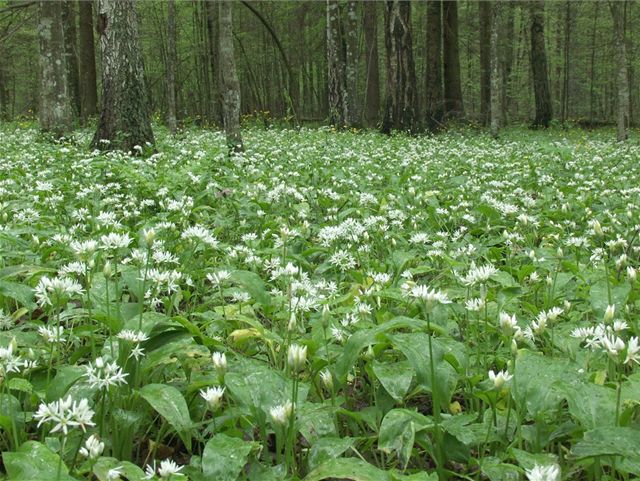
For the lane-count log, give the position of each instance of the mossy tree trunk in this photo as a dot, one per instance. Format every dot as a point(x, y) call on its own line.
point(54, 112)
point(125, 123)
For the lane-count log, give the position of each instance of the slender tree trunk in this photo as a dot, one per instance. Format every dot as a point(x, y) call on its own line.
point(372, 100)
point(506, 44)
point(484, 8)
point(125, 122)
point(4, 88)
point(622, 76)
point(335, 67)
point(71, 52)
point(88, 87)
point(453, 105)
point(496, 70)
point(400, 101)
point(229, 79)
point(351, 65)
point(170, 64)
point(542, 91)
point(565, 77)
point(54, 112)
point(592, 70)
point(212, 42)
point(433, 81)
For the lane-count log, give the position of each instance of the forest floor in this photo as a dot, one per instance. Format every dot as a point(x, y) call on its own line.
point(326, 305)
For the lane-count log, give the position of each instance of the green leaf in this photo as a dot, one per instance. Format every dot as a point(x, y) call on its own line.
point(395, 377)
point(224, 457)
point(347, 468)
point(591, 405)
point(398, 431)
point(325, 449)
point(129, 470)
point(34, 462)
point(18, 292)
point(254, 285)
point(65, 377)
point(599, 297)
point(609, 440)
point(170, 404)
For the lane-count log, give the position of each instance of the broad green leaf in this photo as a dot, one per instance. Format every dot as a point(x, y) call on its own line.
point(34, 462)
point(65, 377)
point(398, 431)
point(591, 405)
point(328, 448)
point(18, 292)
point(599, 297)
point(129, 470)
point(395, 377)
point(224, 457)
point(609, 440)
point(347, 468)
point(254, 285)
point(170, 404)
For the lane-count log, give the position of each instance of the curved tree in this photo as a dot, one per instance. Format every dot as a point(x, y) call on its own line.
point(125, 122)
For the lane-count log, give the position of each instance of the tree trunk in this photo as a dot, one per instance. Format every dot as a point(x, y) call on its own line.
point(171, 62)
point(229, 83)
point(592, 71)
point(622, 76)
point(496, 70)
point(453, 105)
point(542, 91)
point(212, 38)
point(485, 61)
point(335, 67)
point(54, 112)
point(71, 52)
point(400, 101)
point(433, 81)
point(351, 65)
point(507, 49)
point(565, 77)
point(88, 88)
point(125, 122)
point(372, 100)
point(4, 88)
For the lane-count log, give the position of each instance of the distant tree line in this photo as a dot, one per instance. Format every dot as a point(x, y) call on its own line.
point(394, 65)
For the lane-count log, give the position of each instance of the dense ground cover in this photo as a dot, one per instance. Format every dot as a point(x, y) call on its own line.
point(325, 305)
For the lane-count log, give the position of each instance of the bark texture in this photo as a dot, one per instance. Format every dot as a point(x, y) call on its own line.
point(484, 9)
point(496, 69)
point(400, 100)
point(170, 63)
point(336, 68)
point(372, 95)
point(433, 82)
point(124, 117)
point(230, 86)
point(54, 112)
point(539, 68)
point(71, 52)
point(87, 57)
point(351, 65)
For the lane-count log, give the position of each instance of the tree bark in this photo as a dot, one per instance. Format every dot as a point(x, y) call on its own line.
point(351, 65)
point(71, 52)
point(229, 83)
point(622, 75)
point(453, 105)
point(336, 67)
point(485, 61)
point(433, 81)
point(170, 64)
point(125, 122)
point(496, 70)
point(88, 84)
point(400, 101)
point(372, 100)
point(542, 91)
point(54, 112)
point(212, 38)
point(564, 113)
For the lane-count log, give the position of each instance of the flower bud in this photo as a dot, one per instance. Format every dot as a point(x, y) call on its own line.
point(297, 357)
point(610, 313)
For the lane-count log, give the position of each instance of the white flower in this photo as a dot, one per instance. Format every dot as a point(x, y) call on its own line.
point(508, 323)
point(133, 336)
point(115, 473)
point(610, 313)
point(297, 357)
point(9, 362)
point(219, 360)
point(167, 469)
point(544, 473)
point(499, 379)
point(280, 414)
point(430, 296)
point(633, 351)
point(93, 447)
point(475, 304)
point(327, 379)
point(52, 333)
point(217, 278)
point(213, 396)
point(199, 233)
point(58, 288)
point(102, 374)
point(65, 413)
point(114, 241)
point(478, 275)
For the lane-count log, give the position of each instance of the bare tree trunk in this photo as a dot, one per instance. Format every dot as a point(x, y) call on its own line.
point(542, 91)
point(592, 71)
point(125, 122)
point(170, 64)
point(433, 81)
point(212, 39)
point(336, 67)
point(88, 87)
point(400, 101)
point(565, 78)
point(229, 83)
point(372, 100)
point(496, 70)
point(485, 61)
point(4, 88)
point(453, 105)
point(54, 112)
point(71, 52)
point(622, 76)
point(507, 48)
point(351, 64)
